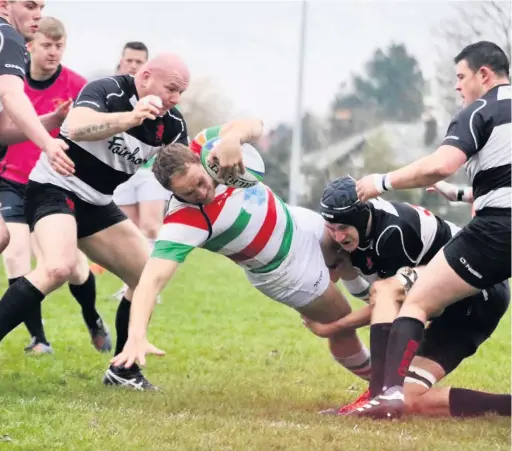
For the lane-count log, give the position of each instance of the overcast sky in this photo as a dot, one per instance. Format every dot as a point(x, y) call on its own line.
point(250, 49)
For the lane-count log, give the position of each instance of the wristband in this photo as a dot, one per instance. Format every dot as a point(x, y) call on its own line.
point(382, 183)
point(463, 194)
point(387, 182)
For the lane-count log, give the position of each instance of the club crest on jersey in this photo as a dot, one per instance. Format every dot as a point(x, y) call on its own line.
point(159, 133)
point(369, 262)
point(256, 194)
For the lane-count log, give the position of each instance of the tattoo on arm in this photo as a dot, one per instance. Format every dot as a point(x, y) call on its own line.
point(91, 130)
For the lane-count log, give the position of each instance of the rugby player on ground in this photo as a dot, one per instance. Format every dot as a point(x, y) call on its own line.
point(393, 241)
point(277, 246)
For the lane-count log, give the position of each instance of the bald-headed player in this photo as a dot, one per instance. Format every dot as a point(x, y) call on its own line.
point(142, 199)
point(116, 125)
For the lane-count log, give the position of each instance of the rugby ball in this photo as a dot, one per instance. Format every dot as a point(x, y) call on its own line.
point(254, 166)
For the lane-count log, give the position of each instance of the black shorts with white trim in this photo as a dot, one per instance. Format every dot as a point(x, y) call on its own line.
point(459, 331)
point(481, 252)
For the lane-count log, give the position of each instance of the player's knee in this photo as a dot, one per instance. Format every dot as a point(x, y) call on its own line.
point(383, 291)
point(59, 272)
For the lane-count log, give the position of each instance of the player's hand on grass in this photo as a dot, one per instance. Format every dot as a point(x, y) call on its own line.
point(135, 351)
point(320, 329)
point(228, 152)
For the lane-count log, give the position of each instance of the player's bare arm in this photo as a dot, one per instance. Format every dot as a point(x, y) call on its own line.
point(85, 124)
point(420, 174)
point(18, 107)
point(11, 134)
point(157, 273)
point(228, 151)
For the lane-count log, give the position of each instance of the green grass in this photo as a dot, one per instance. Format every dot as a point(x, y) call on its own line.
point(241, 373)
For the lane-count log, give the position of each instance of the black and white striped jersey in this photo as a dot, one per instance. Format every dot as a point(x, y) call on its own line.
point(483, 131)
point(401, 235)
point(101, 166)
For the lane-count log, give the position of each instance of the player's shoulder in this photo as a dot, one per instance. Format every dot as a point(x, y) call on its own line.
point(176, 205)
point(113, 84)
point(393, 217)
point(9, 35)
point(484, 105)
point(468, 113)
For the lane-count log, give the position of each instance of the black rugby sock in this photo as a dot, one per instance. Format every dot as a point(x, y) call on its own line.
point(33, 320)
point(85, 295)
point(470, 403)
point(379, 335)
point(19, 299)
point(403, 343)
point(122, 322)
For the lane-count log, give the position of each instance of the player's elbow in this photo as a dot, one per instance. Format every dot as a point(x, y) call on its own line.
point(446, 160)
point(77, 120)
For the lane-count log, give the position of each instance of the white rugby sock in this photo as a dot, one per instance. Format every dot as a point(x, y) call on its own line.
point(359, 364)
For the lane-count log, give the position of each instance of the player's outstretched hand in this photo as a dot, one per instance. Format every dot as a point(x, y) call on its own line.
point(320, 329)
point(135, 351)
point(447, 190)
point(228, 153)
point(56, 152)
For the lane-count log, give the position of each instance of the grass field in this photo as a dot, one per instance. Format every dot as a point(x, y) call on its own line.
point(241, 373)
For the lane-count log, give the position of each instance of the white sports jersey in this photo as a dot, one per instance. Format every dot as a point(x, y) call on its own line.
point(251, 226)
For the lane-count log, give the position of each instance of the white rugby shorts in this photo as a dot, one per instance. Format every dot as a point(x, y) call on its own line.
point(303, 275)
point(141, 187)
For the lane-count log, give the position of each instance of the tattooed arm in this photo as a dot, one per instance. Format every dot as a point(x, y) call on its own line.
point(84, 124)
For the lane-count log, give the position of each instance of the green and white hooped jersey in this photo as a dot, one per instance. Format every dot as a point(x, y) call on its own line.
point(251, 226)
